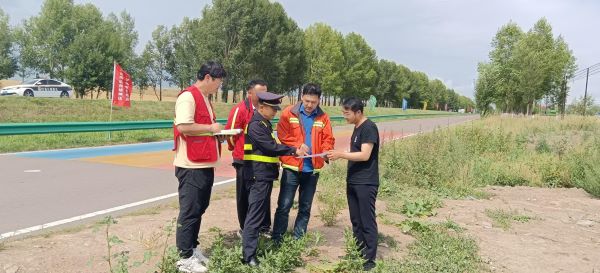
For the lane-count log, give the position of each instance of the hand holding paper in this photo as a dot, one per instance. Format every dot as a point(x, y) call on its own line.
point(228, 132)
point(315, 155)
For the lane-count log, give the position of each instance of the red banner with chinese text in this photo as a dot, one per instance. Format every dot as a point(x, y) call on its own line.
point(122, 87)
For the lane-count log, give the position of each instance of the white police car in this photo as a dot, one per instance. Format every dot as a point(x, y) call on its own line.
point(39, 88)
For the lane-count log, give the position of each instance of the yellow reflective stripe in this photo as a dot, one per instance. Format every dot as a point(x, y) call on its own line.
point(262, 158)
point(248, 147)
point(318, 124)
point(294, 120)
point(234, 117)
point(294, 168)
point(246, 129)
point(202, 134)
point(317, 170)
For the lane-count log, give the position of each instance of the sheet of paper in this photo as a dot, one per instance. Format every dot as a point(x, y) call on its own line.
point(229, 132)
point(311, 156)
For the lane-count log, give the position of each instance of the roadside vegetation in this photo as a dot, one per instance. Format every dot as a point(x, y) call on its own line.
point(419, 172)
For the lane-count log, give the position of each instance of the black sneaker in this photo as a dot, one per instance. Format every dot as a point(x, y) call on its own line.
point(265, 232)
point(367, 266)
point(253, 262)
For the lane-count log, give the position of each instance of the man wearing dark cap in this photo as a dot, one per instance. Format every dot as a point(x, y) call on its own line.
point(239, 117)
point(261, 168)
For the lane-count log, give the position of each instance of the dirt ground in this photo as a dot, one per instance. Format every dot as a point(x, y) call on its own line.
point(563, 235)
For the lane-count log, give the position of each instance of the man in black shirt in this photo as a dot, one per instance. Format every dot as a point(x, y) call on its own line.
point(362, 179)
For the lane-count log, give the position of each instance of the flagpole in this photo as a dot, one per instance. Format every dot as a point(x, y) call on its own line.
point(111, 95)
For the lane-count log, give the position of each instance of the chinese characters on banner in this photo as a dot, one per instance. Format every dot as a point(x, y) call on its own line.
point(122, 86)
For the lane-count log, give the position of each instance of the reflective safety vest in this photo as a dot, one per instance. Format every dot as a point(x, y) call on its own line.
point(254, 155)
point(201, 148)
point(261, 150)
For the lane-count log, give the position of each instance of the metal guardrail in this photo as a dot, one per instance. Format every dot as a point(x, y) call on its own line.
point(84, 127)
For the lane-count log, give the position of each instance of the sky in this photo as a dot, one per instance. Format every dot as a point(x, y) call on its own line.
point(446, 39)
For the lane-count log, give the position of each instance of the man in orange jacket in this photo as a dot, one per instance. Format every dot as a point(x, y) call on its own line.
point(305, 126)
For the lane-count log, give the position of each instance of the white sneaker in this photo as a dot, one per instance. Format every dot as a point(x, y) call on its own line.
point(191, 265)
point(199, 256)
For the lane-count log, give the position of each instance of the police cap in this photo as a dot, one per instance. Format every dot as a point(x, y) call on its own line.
point(270, 99)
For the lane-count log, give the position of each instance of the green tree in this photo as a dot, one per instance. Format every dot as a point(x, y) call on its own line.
point(127, 37)
point(7, 60)
point(502, 56)
point(160, 49)
point(324, 58)
point(140, 72)
point(419, 91)
point(93, 51)
point(525, 68)
point(485, 88)
point(360, 69)
point(583, 105)
point(387, 82)
point(534, 53)
point(184, 60)
point(52, 32)
point(393, 83)
point(563, 69)
point(23, 50)
point(253, 39)
point(436, 94)
point(283, 40)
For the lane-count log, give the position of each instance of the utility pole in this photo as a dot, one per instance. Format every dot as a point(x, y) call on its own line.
point(587, 76)
point(563, 99)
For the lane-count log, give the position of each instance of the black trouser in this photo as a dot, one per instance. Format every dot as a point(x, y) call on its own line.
point(241, 196)
point(361, 202)
point(259, 192)
point(195, 186)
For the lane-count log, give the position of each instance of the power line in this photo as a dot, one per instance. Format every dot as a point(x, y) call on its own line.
point(584, 70)
point(585, 74)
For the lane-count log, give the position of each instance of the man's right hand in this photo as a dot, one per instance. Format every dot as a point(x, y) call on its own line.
point(215, 128)
point(300, 152)
point(304, 148)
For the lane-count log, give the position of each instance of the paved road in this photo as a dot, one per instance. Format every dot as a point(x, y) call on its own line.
point(77, 185)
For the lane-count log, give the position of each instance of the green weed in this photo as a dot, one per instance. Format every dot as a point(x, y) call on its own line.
point(504, 219)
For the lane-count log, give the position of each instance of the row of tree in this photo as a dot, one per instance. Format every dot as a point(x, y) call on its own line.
point(252, 38)
point(525, 69)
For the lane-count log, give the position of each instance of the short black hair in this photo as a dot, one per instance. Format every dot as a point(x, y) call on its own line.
point(254, 83)
point(311, 89)
point(212, 68)
point(353, 104)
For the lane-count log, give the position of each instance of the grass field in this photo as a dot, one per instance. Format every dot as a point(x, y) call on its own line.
point(22, 110)
point(418, 172)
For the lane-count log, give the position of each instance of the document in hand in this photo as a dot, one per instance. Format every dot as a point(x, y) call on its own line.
point(229, 132)
point(311, 156)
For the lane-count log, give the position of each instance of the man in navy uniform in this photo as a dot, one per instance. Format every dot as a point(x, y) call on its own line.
point(261, 168)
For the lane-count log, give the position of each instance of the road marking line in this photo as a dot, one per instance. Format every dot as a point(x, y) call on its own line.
point(89, 215)
point(92, 214)
point(87, 148)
